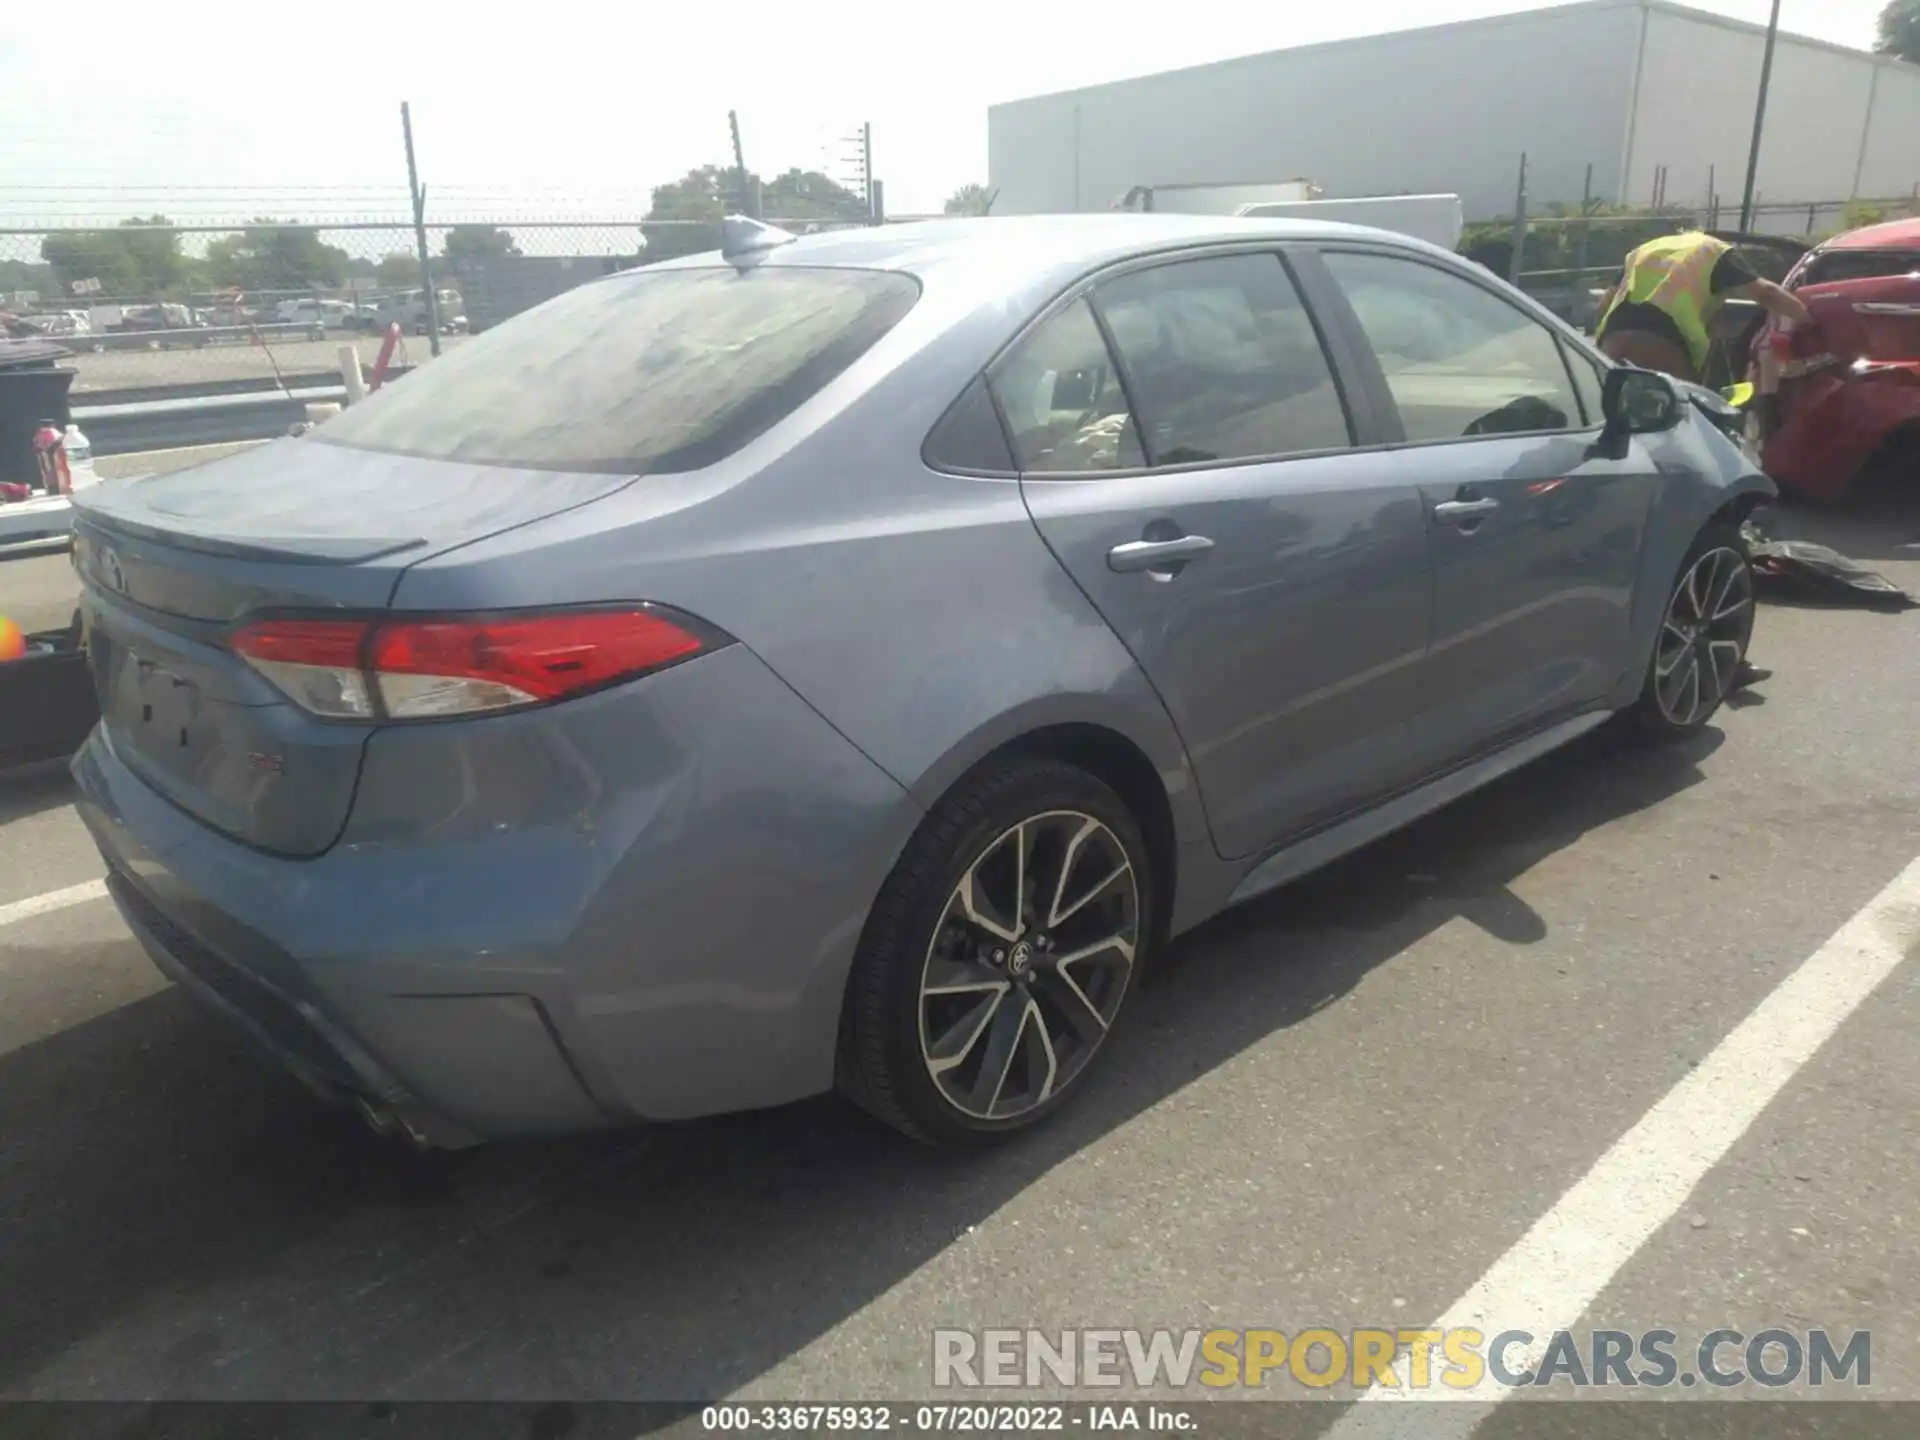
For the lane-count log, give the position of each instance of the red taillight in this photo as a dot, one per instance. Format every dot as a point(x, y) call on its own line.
point(462, 665)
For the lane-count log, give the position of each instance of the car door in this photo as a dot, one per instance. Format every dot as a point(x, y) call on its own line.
point(1187, 454)
point(1536, 534)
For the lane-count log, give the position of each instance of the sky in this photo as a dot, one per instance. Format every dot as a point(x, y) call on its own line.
point(208, 109)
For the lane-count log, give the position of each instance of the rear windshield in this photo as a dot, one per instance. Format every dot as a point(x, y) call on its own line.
point(645, 373)
point(1859, 265)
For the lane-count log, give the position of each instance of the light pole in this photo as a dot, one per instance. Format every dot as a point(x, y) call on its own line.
point(1759, 119)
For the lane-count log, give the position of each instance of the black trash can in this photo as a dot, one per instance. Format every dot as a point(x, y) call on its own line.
point(47, 700)
point(33, 388)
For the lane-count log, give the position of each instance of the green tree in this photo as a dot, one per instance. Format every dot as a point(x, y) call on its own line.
point(398, 268)
point(1900, 30)
point(685, 216)
point(972, 200)
point(809, 195)
point(140, 257)
point(275, 254)
point(25, 275)
point(479, 242)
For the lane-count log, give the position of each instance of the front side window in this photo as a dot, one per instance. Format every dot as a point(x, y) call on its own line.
point(639, 374)
point(1459, 360)
point(1063, 401)
point(1223, 361)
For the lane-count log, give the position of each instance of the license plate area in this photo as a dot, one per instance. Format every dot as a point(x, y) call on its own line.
point(167, 708)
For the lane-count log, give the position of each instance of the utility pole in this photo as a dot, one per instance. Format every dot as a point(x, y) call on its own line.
point(1759, 120)
point(866, 163)
point(748, 202)
point(420, 232)
point(1519, 242)
point(863, 158)
point(1579, 306)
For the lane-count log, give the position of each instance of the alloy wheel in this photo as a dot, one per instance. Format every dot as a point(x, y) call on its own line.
point(1028, 965)
point(1703, 636)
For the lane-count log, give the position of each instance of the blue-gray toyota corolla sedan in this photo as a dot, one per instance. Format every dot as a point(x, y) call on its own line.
point(843, 662)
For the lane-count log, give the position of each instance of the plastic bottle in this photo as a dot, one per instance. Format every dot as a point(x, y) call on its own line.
point(51, 456)
point(79, 459)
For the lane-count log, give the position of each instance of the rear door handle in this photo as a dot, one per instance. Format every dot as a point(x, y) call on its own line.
point(1452, 512)
point(1137, 555)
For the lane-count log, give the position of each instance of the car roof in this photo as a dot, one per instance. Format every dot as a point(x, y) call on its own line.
point(1037, 243)
point(1889, 235)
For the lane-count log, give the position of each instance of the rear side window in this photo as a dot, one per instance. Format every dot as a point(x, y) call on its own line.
point(1223, 361)
point(1063, 400)
point(646, 373)
point(1859, 265)
point(968, 438)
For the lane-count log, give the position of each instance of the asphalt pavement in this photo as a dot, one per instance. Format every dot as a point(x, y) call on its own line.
point(1459, 1068)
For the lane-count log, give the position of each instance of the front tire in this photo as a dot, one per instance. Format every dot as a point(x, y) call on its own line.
point(998, 954)
point(1705, 629)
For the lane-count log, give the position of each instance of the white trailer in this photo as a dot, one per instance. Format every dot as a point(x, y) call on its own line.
point(1437, 219)
point(1216, 199)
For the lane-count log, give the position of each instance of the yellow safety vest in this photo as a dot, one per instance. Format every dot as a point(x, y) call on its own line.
point(1674, 273)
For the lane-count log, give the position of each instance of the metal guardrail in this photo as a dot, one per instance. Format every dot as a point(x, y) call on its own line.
point(161, 417)
point(195, 337)
point(41, 545)
point(199, 419)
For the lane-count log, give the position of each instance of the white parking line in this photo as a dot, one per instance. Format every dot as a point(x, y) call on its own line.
point(51, 901)
point(1560, 1266)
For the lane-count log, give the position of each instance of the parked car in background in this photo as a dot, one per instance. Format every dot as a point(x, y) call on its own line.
point(847, 661)
point(1848, 405)
point(146, 319)
point(60, 324)
point(409, 311)
point(307, 310)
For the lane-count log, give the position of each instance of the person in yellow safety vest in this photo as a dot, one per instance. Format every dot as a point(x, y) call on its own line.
point(1659, 312)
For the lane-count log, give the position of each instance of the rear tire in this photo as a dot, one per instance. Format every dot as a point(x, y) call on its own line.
point(1706, 625)
point(996, 959)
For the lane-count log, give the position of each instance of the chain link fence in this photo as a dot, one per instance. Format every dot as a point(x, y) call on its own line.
point(1569, 254)
point(212, 307)
point(207, 308)
point(149, 310)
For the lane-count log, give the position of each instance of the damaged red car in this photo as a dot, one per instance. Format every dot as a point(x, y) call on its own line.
point(1847, 408)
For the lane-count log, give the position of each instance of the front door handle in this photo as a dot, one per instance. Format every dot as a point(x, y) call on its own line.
point(1137, 555)
point(1452, 512)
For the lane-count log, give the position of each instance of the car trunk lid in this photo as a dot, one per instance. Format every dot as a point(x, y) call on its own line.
point(171, 565)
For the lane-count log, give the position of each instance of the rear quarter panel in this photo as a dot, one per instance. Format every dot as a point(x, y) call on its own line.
point(919, 614)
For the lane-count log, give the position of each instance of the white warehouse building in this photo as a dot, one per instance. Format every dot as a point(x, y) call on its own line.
point(1630, 87)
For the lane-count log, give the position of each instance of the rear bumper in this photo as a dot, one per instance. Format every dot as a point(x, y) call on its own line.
point(447, 1069)
point(635, 906)
point(285, 1031)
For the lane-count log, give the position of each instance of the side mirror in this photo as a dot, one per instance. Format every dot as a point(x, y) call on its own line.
point(1639, 402)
